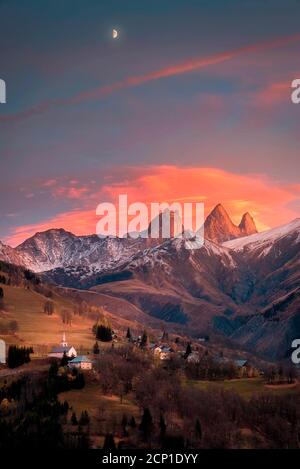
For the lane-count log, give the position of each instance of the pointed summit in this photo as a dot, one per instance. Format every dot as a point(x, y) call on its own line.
point(247, 225)
point(219, 209)
point(219, 227)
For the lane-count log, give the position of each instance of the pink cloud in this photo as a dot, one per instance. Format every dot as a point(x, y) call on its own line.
point(49, 183)
point(269, 202)
point(70, 192)
point(274, 93)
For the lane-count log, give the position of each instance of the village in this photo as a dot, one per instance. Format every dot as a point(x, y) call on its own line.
point(130, 388)
point(162, 350)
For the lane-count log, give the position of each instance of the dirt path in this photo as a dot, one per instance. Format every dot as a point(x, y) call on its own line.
point(282, 386)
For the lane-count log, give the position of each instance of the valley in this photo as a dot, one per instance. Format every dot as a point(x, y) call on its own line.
point(243, 290)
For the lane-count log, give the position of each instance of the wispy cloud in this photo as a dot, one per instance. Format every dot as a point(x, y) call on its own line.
point(269, 202)
point(188, 66)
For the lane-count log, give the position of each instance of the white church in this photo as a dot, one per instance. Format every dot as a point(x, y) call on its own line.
point(58, 352)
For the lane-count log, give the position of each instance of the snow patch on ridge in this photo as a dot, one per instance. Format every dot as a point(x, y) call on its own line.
point(265, 238)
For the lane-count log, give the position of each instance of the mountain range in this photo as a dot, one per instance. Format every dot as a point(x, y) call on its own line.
point(57, 248)
point(241, 285)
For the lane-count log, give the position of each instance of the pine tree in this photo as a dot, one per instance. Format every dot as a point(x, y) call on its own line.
point(74, 420)
point(96, 349)
point(124, 424)
point(64, 361)
point(53, 370)
point(79, 382)
point(104, 333)
point(124, 421)
point(132, 422)
point(144, 340)
point(146, 425)
point(198, 429)
point(84, 418)
point(162, 425)
point(188, 350)
point(1, 298)
point(128, 334)
point(109, 442)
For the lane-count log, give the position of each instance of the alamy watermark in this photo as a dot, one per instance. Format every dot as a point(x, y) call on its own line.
point(2, 351)
point(295, 96)
point(157, 220)
point(295, 357)
point(2, 92)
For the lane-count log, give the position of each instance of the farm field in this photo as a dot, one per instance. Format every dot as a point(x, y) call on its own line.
point(105, 411)
point(37, 329)
point(245, 387)
point(98, 405)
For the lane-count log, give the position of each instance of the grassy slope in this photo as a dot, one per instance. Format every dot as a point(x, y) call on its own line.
point(98, 405)
point(36, 328)
point(103, 410)
point(245, 387)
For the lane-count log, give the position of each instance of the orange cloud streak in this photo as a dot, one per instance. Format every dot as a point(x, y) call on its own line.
point(171, 70)
point(265, 199)
point(184, 67)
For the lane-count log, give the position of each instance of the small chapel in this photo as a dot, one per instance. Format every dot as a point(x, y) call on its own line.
point(63, 348)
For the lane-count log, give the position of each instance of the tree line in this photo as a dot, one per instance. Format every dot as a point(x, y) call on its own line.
point(176, 414)
point(17, 356)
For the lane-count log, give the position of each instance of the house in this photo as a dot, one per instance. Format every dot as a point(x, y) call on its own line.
point(240, 363)
point(135, 339)
point(246, 370)
point(163, 352)
point(82, 362)
point(193, 357)
point(243, 367)
point(58, 352)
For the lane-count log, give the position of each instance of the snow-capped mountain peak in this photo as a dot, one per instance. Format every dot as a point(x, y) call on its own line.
point(265, 238)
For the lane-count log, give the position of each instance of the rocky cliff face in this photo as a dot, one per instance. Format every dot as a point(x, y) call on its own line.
point(247, 226)
point(219, 227)
point(57, 248)
point(246, 288)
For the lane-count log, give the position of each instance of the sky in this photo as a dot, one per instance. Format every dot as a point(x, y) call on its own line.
point(191, 102)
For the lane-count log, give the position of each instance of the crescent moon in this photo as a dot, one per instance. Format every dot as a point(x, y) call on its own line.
point(115, 34)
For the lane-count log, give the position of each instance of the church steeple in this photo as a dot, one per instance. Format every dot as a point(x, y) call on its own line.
point(64, 342)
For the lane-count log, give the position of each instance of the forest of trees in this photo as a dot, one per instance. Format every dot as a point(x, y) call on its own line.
point(177, 415)
point(31, 416)
point(17, 356)
point(17, 275)
point(169, 411)
point(103, 333)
